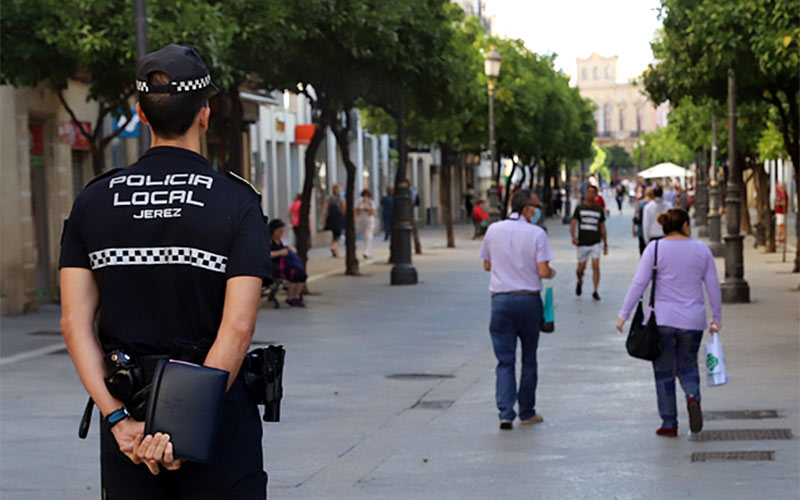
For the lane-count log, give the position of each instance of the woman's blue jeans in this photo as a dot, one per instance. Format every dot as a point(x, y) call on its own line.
point(678, 359)
point(516, 316)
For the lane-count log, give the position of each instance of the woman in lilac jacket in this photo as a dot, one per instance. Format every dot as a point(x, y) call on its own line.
point(684, 265)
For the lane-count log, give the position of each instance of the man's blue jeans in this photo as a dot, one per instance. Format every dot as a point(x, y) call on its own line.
point(678, 359)
point(516, 316)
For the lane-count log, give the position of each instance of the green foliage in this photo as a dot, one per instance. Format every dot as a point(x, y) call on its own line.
point(599, 166)
point(758, 41)
point(663, 146)
point(770, 144)
point(617, 158)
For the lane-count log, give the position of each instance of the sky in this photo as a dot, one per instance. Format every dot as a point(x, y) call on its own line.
point(577, 28)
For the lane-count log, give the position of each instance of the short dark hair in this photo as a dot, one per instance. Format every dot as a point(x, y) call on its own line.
point(171, 115)
point(520, 200)
point(592, 186)
point(673, 220)
point(658, 191)
point(275, 224)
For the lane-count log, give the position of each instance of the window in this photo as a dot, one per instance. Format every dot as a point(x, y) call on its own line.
point(621, 119)
point(638, 119)
point(585, 74)
point(608, 73)
point(607, 117)
point(595, 73)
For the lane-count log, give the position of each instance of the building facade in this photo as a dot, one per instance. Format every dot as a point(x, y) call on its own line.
point(623, 113)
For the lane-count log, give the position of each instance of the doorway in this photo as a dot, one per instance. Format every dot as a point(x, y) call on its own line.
point(41, 240)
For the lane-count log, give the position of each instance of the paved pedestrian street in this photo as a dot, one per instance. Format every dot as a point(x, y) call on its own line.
point(389, 393)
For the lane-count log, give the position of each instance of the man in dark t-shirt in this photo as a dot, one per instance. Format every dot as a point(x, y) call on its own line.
point(170, 256)
point(589, 219)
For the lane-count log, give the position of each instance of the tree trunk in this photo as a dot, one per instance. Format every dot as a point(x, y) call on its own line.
point(342, 135)
point(547, 189)
point(304, 229)
point(507, 192)
point(445, 193)
point(235, 140)
point(765, 217)
point(745, 208)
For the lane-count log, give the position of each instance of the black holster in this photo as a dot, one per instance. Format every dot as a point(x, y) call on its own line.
point(262, 370)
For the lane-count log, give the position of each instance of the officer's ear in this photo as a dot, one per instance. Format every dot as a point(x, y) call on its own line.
point(142, 117)
point(203, 117)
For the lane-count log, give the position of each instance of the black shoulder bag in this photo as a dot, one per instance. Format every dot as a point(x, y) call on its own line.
point(644, 341)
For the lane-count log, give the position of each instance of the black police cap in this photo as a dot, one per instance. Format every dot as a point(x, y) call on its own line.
point(182, 64)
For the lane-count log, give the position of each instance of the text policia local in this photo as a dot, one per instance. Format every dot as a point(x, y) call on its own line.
point(159, 197)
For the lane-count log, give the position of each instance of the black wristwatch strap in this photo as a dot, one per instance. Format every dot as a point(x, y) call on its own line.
point(117, 416)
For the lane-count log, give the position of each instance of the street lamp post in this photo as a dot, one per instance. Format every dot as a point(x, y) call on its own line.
point(701, 198)
point(715, 195)
point(735, 289)
point(491, 67)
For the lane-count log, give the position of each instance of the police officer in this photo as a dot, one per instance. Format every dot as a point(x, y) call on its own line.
point(168, 253)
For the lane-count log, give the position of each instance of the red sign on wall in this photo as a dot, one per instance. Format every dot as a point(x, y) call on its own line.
point(36, 139)
point(71, 134)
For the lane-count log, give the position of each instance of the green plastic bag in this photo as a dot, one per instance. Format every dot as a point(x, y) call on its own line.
point(549, 319)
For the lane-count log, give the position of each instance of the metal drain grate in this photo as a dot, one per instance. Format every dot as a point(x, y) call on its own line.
point(740, 415)
point(433, 405)
point(743, 435)
point(418, 376)
point(733, 456)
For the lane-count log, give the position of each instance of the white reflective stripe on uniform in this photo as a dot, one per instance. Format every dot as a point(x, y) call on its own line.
point(148, 256)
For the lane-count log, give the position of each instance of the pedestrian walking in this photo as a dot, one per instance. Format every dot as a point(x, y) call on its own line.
point(620, 188)
point(294, 214)
point(781, 207)
point(334, 217)
point(287, 265)
point(518, 255)
point(651, 229)
point(638, 224)
point(684, 267)
point(588, 231)
point(365, 220)
point(144, 280)
point(387, 210)
point(469, 196)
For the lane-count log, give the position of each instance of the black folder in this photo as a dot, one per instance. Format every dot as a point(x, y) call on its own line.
point(186, 402)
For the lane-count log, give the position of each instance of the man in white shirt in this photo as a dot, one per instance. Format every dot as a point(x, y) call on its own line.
point(517, 253)
point(650, 227)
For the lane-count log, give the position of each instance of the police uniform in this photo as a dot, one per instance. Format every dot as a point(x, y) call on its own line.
point(162, 237)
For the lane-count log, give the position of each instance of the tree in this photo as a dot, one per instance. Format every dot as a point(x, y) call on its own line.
point(55, 41)
point(759, 42)
point(663, 145)
point(617, 159)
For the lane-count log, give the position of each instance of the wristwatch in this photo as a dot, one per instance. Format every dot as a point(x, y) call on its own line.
point(117, 416)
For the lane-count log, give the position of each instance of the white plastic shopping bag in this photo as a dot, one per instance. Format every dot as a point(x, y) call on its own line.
point(715, 362)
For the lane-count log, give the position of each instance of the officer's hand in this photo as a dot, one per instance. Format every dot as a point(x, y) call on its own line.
point(155, 450)
point(128, 433)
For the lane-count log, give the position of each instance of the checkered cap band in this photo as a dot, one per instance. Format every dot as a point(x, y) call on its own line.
point(150, 256)
point(176, 87)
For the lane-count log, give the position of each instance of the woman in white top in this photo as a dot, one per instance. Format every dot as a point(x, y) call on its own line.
point(365, 220)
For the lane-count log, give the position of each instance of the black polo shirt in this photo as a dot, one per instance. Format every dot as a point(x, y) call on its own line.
point(162, 238)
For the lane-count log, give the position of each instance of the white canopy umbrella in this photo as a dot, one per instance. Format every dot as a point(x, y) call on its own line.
point(665, 170)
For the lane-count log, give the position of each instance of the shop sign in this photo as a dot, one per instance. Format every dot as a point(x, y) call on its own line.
point(303, 134)
point(71, 134)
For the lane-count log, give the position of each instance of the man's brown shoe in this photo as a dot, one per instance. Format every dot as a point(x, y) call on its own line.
point(536, 419)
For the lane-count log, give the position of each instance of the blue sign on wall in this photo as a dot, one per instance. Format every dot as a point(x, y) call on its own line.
point(133, 126)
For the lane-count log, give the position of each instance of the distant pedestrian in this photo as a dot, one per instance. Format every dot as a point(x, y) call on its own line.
point(365, 220)
point(620, 195)
point(294, 214)
point(669, 194)
point(589, 219)
point(286, 264)
point(638, 224)
point(684, 267)
point(558, 201)
point(651, 228)
point(681, 198)
point(469, 196)
point(480, 219)
point(781, 207)
point(334, 217)
point(518, 255)
point(387, 210)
